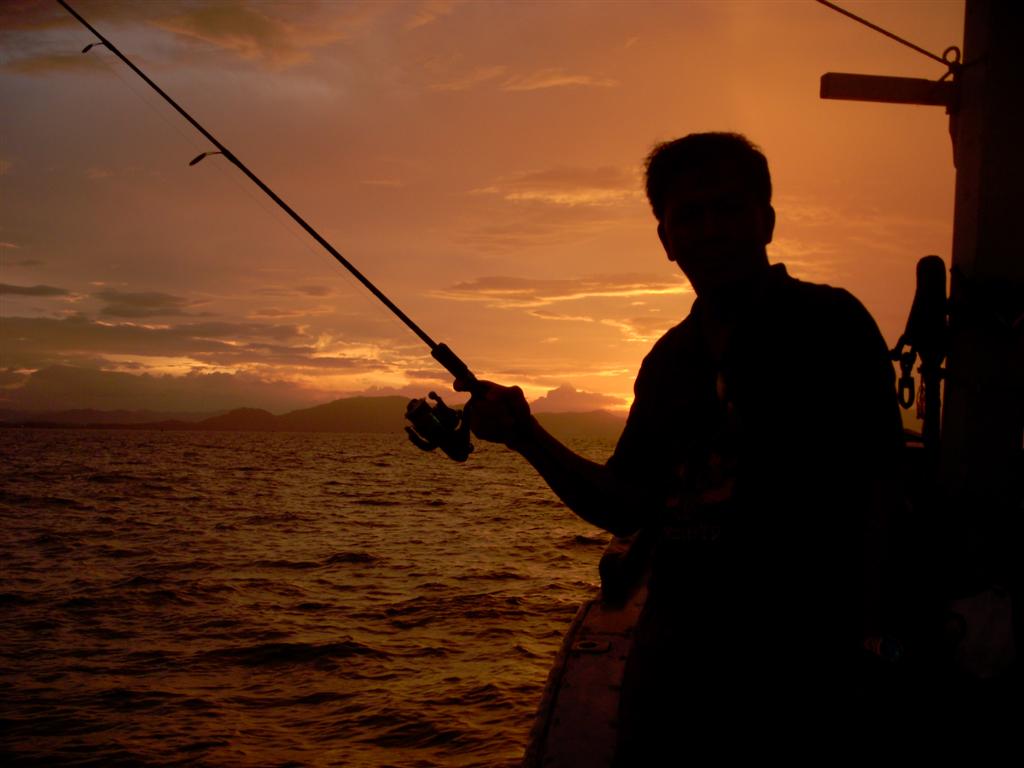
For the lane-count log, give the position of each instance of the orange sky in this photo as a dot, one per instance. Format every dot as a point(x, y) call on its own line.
point(480, 161)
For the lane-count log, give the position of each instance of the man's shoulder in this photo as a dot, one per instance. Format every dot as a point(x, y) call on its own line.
point(676, 339)
point(827, 303)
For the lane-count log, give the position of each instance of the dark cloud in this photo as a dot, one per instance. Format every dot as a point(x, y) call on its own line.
point(55, 62)
point(139, 305)
point(246, 31)
point(566, 398)
point(272, 313)
point(427, 374)
point(293, 356)
point(280, 35)
point(10, 378)
point(40, 36)
point(38, 342)
point(17, 15)
point(411, 391)
point(32, 290)
point(314, 290)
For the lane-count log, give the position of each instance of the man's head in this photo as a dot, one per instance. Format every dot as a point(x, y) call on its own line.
point(711, 194)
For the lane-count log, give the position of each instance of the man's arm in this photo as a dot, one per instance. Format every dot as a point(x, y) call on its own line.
point(591, 490)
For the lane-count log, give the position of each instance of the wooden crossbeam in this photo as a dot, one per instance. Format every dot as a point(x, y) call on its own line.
point(893, 90)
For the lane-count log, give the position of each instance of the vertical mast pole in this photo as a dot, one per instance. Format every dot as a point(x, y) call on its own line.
point(983, 414)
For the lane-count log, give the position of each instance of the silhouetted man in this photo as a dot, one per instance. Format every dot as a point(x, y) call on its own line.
point(760, 447)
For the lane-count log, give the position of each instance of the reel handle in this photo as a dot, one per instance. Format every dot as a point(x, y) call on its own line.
point(438, 426)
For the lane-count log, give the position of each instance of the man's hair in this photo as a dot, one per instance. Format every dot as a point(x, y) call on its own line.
point(705, 152)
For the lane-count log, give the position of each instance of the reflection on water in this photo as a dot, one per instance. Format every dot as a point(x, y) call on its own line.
point(255, 598)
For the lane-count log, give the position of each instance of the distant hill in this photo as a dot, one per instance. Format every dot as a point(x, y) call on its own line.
point(91, 416)
point(350, 414)
point(242, 420)
point(592, 424)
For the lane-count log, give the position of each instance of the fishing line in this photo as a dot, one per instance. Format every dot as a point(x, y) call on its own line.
point(440, 352)
point(953, 52)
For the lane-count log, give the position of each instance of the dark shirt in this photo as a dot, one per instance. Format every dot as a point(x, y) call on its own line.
point(762, 429)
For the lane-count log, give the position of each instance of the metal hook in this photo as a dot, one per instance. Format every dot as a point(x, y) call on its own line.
point(952, 58)
point(90, 46)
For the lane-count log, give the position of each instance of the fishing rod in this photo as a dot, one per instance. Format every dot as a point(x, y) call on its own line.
point(434, 425)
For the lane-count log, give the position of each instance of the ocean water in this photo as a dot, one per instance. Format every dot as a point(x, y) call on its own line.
point(188, 598)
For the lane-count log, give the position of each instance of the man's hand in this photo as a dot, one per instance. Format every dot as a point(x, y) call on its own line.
point(499, 414)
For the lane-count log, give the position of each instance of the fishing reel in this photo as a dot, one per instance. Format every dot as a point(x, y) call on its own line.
point(438, 426)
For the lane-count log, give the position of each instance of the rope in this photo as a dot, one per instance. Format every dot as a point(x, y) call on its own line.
point(952, 50)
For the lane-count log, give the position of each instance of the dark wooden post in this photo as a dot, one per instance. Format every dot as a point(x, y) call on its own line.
point(982, 421)
point(981, 473)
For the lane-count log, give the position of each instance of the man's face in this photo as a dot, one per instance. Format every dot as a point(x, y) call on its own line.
point(715, 230)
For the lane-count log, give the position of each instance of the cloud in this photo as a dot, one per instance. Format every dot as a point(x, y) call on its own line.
point(7, 246)
point(140, 305)
point(32, 290)
point(569, 186)
point(299, 290)
point(498, 74)
point(566, 398)
point(273, 313)
point(522, 224)
point(644, 329)
point(555, 77)
point(561, 316)
point(428, 12)
point(471, 79)
point(553, 206)
point(523, 292)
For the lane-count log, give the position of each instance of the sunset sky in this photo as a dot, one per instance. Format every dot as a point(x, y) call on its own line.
point(479, 161)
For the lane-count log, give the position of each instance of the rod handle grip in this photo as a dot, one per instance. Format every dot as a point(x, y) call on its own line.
point(465, 381)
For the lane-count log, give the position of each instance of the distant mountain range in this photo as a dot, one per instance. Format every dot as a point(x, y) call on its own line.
point(351, 414)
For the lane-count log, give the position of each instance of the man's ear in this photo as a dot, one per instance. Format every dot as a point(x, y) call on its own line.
point(664, 241)
point(769, 224)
